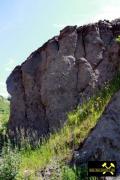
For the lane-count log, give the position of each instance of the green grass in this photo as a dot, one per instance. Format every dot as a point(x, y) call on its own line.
point(4, 113)
point(62, 144)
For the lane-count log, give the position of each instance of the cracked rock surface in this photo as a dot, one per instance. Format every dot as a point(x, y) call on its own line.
point(54, 78)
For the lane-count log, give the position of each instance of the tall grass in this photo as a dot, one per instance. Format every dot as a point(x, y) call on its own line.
point(62, 144)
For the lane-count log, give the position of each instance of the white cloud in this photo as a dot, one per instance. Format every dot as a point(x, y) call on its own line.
point(3, 90)
point(10, 65)
point(109, 12)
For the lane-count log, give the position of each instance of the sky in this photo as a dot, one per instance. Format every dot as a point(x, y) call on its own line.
point(26, 24)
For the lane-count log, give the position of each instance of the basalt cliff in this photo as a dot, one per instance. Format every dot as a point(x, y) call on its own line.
point(60, 75)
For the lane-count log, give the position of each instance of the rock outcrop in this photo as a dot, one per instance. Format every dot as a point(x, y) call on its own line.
point(58, 76)
point(103, 142)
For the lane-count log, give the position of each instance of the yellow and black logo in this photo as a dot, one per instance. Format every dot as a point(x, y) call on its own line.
point(101, 168)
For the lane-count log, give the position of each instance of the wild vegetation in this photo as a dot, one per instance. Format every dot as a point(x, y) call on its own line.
point(52, 157)
point(4, 113)
point(118, 39)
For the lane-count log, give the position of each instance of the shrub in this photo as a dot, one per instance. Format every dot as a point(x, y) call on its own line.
point(68, 173)
point(9, 164)
point(76, 174)
point(118, 39)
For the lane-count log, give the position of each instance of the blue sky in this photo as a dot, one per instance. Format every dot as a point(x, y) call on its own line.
point(26, 24)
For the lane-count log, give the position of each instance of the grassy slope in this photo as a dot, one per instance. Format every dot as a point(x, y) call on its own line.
point(61, 145)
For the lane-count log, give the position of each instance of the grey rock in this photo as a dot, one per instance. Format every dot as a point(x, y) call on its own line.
point(54, 78)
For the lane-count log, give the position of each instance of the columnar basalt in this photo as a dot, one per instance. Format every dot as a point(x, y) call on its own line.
point(54, 78)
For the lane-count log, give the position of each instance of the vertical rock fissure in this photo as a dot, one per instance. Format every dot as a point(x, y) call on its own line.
point(45, 116)
point(95, 67)
point(57, 43)
point(24, 98)
point(77, 73)
point(83, 43)
point(77, 66)
point(43, 106)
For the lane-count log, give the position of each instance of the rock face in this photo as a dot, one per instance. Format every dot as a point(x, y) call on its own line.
point(103, 142)
point(54, 78)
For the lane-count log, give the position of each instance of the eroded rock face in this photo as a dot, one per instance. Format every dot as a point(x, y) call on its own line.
point(103, 142)
point(54, 78)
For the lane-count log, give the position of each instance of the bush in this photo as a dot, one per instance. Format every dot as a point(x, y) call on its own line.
point(118, 39)
point(9, 164)
point(68, 173)
point(80, 173)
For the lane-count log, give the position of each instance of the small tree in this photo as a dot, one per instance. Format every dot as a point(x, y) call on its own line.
point(118, 39)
